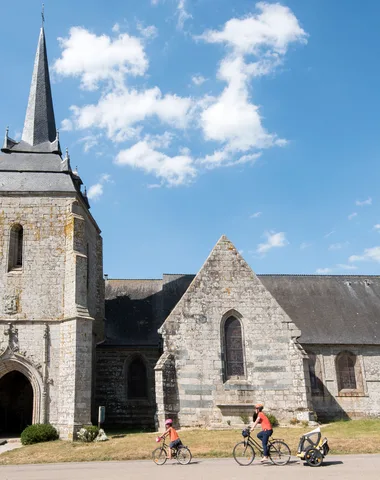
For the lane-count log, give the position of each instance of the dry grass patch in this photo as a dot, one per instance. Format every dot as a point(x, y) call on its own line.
point(360, 436)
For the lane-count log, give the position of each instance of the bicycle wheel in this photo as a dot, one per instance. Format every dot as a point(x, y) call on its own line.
point(313, 457)
point(279, 452)
point(159, 456)
point(243, 453)
point(183, 456)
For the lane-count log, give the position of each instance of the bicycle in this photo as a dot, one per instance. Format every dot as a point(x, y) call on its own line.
point(244, 452)
point(181, 453)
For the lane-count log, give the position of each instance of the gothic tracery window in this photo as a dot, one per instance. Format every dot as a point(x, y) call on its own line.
point(348, 371)
point(233, 345)
point(15, 247)
point(137, 379)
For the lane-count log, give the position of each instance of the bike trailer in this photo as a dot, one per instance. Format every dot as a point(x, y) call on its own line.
point(312, 448)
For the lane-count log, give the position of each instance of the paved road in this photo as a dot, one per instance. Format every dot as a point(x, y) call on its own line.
point(342, 467)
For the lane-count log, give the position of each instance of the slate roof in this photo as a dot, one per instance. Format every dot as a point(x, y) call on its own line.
point(334, 309)
point(327, 309)
point(135, 309)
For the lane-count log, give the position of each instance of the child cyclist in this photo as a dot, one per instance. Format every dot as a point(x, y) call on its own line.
point(266, 428)
point(175, 441)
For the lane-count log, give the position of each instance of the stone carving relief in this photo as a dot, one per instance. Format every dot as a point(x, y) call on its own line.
point(11, 304)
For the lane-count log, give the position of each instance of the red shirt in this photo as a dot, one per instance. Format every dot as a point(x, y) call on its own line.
point(265, 423)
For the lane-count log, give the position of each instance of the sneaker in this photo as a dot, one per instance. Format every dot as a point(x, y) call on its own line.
point(264, 459)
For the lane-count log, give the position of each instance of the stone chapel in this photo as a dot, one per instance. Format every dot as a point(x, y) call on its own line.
point(200, 349)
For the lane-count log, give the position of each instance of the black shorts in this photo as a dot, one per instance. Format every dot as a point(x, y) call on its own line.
point(175, 443)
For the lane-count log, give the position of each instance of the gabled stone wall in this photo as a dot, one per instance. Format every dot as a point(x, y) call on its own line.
point(275, 365)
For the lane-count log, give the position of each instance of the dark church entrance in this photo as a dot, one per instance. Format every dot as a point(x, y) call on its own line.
point(16, 403)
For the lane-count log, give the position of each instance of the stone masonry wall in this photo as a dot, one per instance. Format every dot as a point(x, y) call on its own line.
point(48, 304)
point(112, 365)
point(193, 335)
point(365, 402)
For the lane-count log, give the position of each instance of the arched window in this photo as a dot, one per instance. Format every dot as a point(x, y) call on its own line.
point(15, 247)
point(137, 379)
point(233, 348)
point(348, 371)
point(315, 371)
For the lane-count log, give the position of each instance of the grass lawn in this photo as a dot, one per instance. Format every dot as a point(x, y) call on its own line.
point(348, 437)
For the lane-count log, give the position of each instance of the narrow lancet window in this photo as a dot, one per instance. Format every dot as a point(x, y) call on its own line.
point(15, 247)
point(233, 341)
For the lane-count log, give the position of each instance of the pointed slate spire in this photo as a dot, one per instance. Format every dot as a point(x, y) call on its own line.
point(39, 126)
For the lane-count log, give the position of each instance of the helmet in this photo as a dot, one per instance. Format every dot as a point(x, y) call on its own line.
point(259, 405)
point(169, 421)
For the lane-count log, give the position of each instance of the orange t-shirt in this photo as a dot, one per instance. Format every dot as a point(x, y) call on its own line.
point(265, 423)
point(173, 434)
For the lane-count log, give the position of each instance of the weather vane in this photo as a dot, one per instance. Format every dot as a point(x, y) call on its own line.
point(43, 14)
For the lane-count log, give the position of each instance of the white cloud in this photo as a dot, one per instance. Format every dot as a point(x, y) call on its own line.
point(369, 254)
point(338, 246)
point(198, 79)
point(352, 215)
point(305, 245)
point(89, 142)
point(149, 32)
point(97, 58)
point(329, 234)
point(274, 240)
point(174, 171)
point(255, 215)
point(273, 29)
point(95, 191)
point(183, 14)
point(323, 271)
point(364, 202)
point(119, 111)
point(66, 125)
point(232, 119)
point(229, 119)
point(377, 226)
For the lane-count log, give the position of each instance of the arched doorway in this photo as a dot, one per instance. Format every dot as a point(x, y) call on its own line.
point(16, 403)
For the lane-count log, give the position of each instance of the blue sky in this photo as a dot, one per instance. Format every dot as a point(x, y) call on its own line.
point(189, 119)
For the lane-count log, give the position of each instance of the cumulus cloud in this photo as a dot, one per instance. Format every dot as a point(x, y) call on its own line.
point(95, 58)
point(174, 171)
point(66, 125)
point(232, 119)
point(119, 111)
point(274, 240)
point(253, 46)
point(97, 190)
point(362, 203)
point(369, 254)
